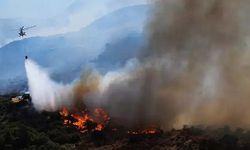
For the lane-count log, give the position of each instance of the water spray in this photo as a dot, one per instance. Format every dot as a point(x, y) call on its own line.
point(46, 94)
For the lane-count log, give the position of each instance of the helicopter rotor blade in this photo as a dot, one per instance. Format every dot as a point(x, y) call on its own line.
point(14, 30)
point(29, 27)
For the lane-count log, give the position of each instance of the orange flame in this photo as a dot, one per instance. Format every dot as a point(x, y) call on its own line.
point(100, 117)
point(145, 131)
point(64, 112)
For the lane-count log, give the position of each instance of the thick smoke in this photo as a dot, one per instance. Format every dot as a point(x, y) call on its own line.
point(194, 70)
point(204, 44)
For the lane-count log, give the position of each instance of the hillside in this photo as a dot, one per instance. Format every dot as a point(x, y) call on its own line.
point(22, 127)
point(66, 54)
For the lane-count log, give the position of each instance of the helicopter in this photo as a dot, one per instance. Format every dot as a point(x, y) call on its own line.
point(22, 29)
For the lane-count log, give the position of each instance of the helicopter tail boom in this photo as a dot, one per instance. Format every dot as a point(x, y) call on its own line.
point(29, 27)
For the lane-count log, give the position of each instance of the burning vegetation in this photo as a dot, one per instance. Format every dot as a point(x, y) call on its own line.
point(149, 131)
point(82, 120)
point(85, 122)
point(22, 127)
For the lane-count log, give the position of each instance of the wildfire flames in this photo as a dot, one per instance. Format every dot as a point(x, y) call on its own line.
point(99, 118)
point(151, 130)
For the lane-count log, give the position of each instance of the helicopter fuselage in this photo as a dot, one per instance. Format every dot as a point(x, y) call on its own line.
point(22, 33)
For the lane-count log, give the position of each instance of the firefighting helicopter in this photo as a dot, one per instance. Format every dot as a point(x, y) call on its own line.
point(22, 29)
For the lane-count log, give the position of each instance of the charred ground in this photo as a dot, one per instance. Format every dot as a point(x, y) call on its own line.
point(24, 128)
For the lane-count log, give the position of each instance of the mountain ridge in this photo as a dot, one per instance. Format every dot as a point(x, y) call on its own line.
point(60, 53)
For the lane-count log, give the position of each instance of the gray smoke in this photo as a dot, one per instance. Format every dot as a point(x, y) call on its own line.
point(195, 69)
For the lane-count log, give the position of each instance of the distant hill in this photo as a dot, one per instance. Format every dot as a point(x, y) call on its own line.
point(65, 55)
point(116, 54)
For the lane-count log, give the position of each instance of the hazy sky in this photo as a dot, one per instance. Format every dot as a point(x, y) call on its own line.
point(32, 8)
point(50, 8)
point(54, 16)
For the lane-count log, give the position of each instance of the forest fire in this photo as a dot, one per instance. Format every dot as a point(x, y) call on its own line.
point(97, 121)
point(85, 121)
point(149, 131)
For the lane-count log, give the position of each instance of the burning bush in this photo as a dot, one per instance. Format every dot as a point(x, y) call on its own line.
point(86, 121)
